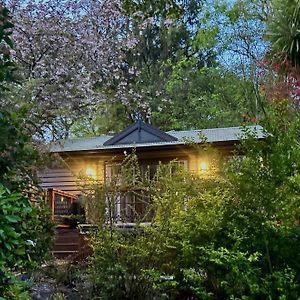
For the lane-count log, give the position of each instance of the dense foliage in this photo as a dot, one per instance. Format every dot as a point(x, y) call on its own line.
point(6, 65)
point(179, 64)
point(24, 237)
point(19, 156)
point(25, 226)
point(228, 234)
point(90, 67)
point(283, 31)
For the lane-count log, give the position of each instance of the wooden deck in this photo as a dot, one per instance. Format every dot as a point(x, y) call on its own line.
point(69, 243)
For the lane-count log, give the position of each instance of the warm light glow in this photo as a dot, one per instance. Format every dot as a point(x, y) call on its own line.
point(203, 166)
point(90, 172)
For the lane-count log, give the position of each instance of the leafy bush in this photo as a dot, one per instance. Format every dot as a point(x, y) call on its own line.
point(25, 235)
point(264, 209)
point(19, 155)
point(233, 235)
point(117, 265)
point(150, 261)
point(25, 229)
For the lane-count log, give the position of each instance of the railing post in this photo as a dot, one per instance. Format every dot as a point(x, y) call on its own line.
point(51, 202)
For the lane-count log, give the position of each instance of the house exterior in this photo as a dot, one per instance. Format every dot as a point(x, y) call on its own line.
point(98, 157)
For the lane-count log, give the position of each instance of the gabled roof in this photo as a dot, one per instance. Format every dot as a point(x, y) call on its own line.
point(140, 132)
point(106, 142)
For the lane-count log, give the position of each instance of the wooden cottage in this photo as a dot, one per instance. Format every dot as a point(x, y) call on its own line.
point(93, 156)
point(99, 158)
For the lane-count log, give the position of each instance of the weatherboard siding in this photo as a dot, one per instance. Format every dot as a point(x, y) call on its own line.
point(89, 156)
point(60, 179)
point(68, 178)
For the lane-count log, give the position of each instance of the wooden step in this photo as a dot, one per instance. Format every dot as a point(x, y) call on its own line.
point(63, 231)
point(66, 242)
point(63, 254)
point(66, 233)
point(67, 236)
point(66, 247)
point(66, 239)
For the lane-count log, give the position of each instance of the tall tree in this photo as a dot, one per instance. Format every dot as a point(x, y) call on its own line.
point(173, 71)
point(65, 50)
point(19, 156)
point(241, 37)
point(166, 60)
point(6, 65)
point(283, 31)
point(281, 67)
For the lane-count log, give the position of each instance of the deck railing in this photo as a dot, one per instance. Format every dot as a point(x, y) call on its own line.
point(60, 203)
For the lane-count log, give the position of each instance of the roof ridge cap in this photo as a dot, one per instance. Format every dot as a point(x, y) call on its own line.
point(82, 138)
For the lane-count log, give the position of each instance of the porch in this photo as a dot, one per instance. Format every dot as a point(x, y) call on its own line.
point(68, 241)
point(71, 229)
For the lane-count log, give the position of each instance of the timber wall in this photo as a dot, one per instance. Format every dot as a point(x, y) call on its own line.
point(69, 176)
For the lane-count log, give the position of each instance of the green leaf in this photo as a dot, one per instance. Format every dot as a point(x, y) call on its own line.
point(20, 251)
point(2, 234)
point(12, 219)
point(7, 245)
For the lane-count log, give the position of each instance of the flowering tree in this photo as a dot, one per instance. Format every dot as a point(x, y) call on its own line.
point(87, 59)
point(171, 55)
point(66, 50)
point(280, 82)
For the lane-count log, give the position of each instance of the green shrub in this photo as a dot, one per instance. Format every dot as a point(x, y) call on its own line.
point(233, 235)
point(117, 265)
point(25, 235)
point(264, 210)
point(149, 261)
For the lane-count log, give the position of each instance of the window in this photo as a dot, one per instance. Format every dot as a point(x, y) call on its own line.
point(132, 204)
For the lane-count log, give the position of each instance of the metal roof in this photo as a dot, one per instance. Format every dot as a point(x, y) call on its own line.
point(212, 135)
point(140, 132)
point(218, 134)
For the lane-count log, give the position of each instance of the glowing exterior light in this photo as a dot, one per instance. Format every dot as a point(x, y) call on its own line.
point(203, 166)
point(90, 172)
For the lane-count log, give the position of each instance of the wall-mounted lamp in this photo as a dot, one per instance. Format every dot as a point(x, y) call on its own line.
point(203, 166)
point(90, 172)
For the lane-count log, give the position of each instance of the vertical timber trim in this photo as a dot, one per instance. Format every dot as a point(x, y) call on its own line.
point(51, 202)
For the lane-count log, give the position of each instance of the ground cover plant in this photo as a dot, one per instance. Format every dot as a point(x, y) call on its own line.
point(24, 237)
